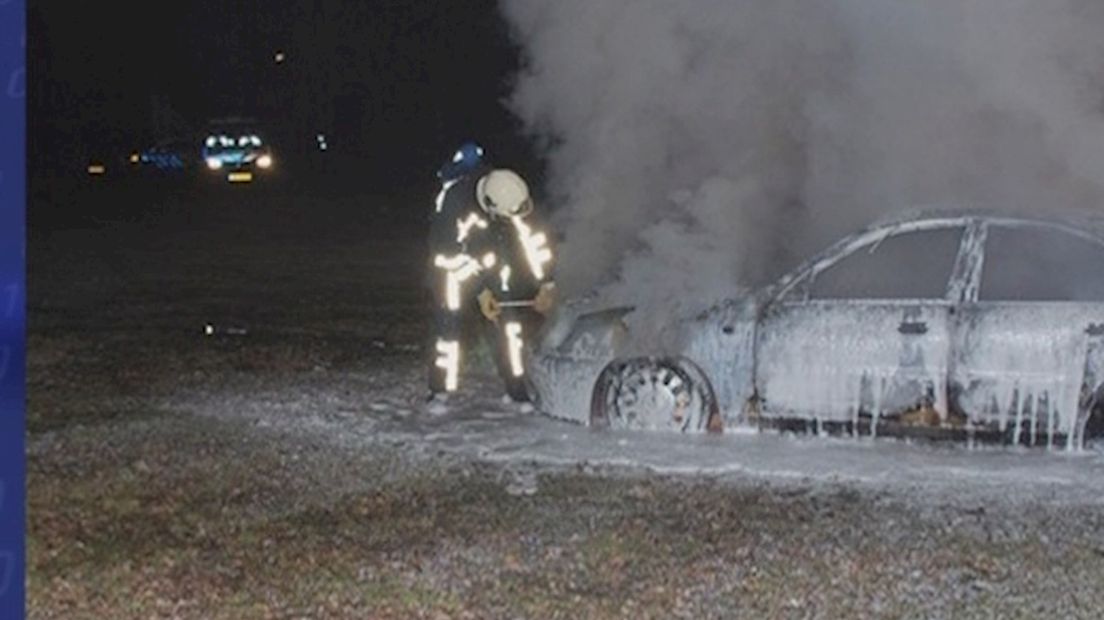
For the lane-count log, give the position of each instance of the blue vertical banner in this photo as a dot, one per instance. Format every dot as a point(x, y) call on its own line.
point(13, 196)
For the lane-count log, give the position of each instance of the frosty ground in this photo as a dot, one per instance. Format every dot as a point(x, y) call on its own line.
point(290, 471)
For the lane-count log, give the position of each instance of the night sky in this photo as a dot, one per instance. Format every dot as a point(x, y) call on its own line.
point(392, 83)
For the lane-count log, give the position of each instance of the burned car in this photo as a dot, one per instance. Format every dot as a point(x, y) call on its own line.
point(954, 322)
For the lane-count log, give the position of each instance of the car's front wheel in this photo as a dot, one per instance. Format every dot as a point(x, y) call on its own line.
point(655, 393)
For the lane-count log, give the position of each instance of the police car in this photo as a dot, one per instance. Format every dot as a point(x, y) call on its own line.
point(235, 149)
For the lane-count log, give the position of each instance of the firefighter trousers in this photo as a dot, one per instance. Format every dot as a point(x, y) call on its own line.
point(455, 332)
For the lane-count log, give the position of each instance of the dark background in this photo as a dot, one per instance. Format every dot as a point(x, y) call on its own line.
point(393, 84)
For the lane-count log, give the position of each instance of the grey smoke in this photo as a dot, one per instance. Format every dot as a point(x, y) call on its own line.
point(700, 147)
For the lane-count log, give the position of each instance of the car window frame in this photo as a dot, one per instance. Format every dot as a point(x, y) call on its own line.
point(802, 279)
point(1014, 224)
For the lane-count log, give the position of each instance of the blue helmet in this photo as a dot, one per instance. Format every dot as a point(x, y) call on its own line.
point(464, 160)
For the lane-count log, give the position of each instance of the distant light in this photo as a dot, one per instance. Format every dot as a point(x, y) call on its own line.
point(134, 158)
point(214, 163)
point(322, 146)
point(279, 57)
point(264, 161)
point(211, 141)
point(96, 169)
point(321, 137)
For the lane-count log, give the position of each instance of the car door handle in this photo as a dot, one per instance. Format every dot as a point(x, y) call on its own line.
point(913, 327)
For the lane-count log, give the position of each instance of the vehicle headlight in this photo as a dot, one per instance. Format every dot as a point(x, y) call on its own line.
point(214, 163)
point(264, 161)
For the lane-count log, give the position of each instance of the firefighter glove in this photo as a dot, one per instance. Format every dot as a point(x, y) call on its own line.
point(489, 305)
point(546, 298)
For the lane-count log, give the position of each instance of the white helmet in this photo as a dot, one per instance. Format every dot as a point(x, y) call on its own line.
point(504, 193)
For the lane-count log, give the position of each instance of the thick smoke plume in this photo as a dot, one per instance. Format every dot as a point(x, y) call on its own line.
point(697, 148)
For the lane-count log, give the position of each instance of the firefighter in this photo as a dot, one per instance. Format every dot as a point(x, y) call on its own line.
point(472, 264)
point(519, 291)
point(450, 270)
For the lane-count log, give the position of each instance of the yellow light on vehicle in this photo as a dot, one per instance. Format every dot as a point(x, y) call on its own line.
point(240, 177)
point(264, 161)
point(96, 169)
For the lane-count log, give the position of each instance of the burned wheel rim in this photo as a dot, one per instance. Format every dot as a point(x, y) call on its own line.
point(663, 394)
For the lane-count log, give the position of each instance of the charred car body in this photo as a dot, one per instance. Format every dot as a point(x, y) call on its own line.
point(984, 337)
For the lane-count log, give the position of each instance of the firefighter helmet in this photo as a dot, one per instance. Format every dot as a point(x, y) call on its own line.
point(504, 193)
point(463, 161)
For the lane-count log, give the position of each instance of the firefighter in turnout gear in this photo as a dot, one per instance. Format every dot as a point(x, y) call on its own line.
point(485, 255)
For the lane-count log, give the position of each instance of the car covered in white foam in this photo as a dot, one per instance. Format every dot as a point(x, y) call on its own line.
point(949, 322)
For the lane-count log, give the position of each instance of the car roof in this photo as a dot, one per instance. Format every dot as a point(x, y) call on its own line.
point(1081, 222)
point(1085, 224)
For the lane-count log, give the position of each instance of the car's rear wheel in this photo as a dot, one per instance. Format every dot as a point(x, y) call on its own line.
point(650, 393)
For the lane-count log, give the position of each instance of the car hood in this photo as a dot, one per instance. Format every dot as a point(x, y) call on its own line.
point(576, 330)
point(583, 330)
